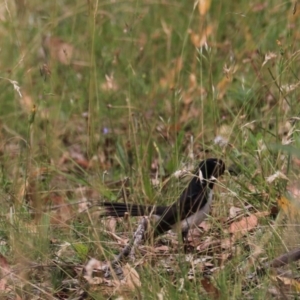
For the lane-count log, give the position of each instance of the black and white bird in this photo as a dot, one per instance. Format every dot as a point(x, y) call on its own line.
point(187, 212)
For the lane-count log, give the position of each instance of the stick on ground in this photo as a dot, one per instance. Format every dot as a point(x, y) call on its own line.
point(129, 249)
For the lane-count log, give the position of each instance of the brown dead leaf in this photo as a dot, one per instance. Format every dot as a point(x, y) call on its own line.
point(5, 268)
point(110, 224)
point(210, 288)
point(5, 271)
point(224, 256)
point(58, 50)
point(83, 205)
point(78, 157)
point(237, 212)
point(75, 156)
point(85, 194)
point(205, 226)
point(131, 277)
point(203, 6)
point(234, 211)
point(209, 243)
point(241, 227)
point(63, 211)
point(196, 232)
point(3, 284)
point(227, 243)
point(287, 283)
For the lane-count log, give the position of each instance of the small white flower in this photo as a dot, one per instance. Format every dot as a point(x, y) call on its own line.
point(221, 141)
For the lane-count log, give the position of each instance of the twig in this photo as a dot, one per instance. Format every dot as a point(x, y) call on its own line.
point(128, 250)
point(278, 262)
point(136, 241)
point(284, 259)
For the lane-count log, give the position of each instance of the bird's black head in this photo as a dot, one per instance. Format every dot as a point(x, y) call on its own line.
point(210, 169)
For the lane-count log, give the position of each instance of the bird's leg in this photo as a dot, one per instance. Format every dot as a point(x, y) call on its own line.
point(184, 235)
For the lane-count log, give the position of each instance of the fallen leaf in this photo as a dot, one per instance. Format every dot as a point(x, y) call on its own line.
point(110, 224)
point(227, 243)
point(58, 49)
point(288, 282)
point(210, 288)
point(209, 243)
point(131, 277)
point(5, 271)
point(246, 224)
point(5, 268)
point(234, 211)
point(63, 211)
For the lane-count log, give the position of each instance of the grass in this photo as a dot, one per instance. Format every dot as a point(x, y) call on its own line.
point(139, 99)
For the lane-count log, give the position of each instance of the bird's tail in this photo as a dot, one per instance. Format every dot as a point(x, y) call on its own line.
point(121, 209)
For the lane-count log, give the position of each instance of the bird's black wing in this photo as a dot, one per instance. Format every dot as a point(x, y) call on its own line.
point(192, 199)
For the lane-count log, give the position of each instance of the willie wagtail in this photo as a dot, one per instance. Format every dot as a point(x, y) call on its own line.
point(187, 212)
